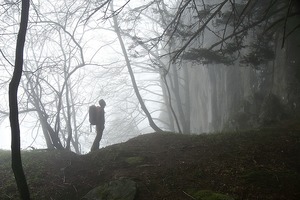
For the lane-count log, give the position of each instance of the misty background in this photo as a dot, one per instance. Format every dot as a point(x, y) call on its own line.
point(200, 66)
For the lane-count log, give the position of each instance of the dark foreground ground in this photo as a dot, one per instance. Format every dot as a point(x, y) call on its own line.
point(260, 164)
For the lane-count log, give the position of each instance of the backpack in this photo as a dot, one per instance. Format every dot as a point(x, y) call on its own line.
point(93, 115)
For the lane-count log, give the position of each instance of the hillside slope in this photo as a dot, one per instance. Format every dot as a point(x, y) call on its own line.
point(260, 164)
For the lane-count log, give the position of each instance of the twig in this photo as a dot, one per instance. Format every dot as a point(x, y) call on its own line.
point(285, 23)
point(188, 195)
point(63, 170)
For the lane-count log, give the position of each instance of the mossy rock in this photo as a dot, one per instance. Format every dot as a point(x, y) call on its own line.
point(210, 195)
point(123, 189)
point(134, 160)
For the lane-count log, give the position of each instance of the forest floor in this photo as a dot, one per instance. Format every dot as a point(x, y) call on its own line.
point(256, 164)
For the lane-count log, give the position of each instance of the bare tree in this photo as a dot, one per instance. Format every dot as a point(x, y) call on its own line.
point(128, 64)
point(13, 104)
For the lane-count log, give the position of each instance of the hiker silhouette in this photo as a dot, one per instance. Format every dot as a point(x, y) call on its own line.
point(100, 124)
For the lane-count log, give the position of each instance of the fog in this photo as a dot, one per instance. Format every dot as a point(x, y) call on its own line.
point(199, 67)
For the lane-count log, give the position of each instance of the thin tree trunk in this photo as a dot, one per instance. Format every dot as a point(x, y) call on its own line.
point(68, 121)
point(54, 137)
point(178, 101)
point(168, 106)
point(135, 87)
point(13, 106)
point(187, 100)
point(43, 121)
point(74, 140)
point(170, 103)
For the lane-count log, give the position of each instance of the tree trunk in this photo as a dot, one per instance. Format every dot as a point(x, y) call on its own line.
point(54, 137)
point(43, 121)
point(135, 87)
point(74, 141)
point(13, 106)
point(178, 101)
point(68, 121)
point(187, 106)
point(168, 94)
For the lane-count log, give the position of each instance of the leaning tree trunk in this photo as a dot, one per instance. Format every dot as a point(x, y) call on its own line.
point(13, 106)
point(170, 110)
point(135, 87)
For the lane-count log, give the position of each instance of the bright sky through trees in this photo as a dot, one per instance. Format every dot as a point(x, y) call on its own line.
point(58, 32)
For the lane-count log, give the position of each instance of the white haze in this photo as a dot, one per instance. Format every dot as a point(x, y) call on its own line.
point(103, 80)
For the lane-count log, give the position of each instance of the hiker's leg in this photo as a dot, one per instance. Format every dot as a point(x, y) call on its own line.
point(98, 137)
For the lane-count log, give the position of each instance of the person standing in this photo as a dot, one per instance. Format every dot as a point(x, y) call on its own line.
point(100, 125)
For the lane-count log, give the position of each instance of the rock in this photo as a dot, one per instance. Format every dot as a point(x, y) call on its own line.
point(123, 189)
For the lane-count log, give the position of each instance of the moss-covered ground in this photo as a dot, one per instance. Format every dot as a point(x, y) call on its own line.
point(258, 164)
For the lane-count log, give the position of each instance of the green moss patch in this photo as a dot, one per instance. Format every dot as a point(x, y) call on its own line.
point(135, 160)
